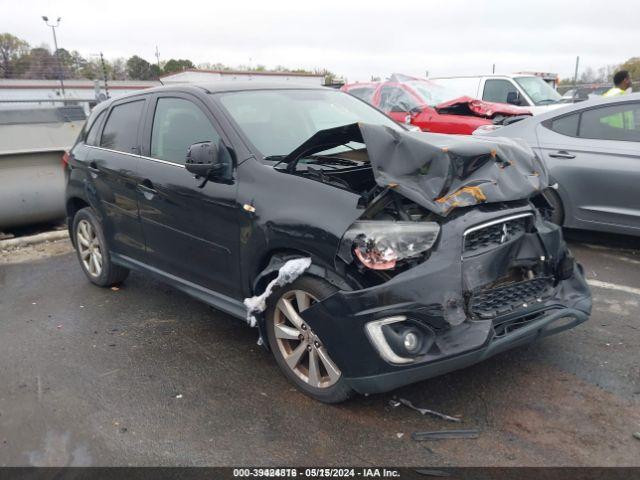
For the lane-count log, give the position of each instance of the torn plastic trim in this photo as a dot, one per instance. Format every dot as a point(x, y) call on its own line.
point(291, 270)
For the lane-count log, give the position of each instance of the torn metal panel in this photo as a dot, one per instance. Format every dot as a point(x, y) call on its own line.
point(291, 270)
point(445, 435)
point(480, 108)
point(439, 172)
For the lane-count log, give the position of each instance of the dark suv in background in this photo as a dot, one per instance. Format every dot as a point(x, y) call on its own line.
point(368, 256)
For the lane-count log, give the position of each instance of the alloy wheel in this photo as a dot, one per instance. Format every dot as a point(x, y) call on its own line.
point(302, 350)
point(89, 248)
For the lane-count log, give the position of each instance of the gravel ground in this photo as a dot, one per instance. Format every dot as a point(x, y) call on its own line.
point(144, 375)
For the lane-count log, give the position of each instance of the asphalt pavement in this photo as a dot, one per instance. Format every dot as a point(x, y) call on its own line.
point(145, 375)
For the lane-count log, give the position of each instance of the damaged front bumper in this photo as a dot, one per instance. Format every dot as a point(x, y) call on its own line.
point(456, 298)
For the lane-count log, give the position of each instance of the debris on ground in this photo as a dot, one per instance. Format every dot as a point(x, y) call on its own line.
point(115, 289)
point(399, 434)
point(179, 396)
point(291, 270)
point(444, 435)
point(424, 411)
point(636, 435)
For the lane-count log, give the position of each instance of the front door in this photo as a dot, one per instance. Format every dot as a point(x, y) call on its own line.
point(190, 232)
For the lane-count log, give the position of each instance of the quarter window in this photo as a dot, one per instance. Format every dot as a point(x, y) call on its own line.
point(567, 125)
point(121, 130)
point(177, 124)
point(92, 136)
point(616, 122)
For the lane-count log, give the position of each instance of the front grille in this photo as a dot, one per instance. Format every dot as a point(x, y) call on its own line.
point(484, 237)
point(494, 302)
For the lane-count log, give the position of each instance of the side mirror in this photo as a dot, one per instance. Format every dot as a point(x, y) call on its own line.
point(513, 98)
point(202, 160)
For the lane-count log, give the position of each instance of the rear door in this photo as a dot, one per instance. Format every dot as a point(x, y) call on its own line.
point(190, 232)
point(594, 154)
point(111, 160)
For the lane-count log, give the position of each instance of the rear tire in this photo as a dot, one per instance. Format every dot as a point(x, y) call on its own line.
point(298, 351)
point(93, 251)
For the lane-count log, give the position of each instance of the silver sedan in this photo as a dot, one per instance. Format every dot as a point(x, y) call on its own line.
point(592, 151)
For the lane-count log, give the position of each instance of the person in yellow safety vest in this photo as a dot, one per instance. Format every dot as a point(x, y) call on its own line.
point(622, 82)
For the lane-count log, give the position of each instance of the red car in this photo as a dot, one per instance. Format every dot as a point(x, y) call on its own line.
point(431, 107)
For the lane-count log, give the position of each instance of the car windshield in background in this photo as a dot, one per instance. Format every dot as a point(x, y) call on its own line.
point(278, 121)
point(432, 93)
point(538, 90)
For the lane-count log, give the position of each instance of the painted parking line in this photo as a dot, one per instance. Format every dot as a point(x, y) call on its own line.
point(613, 286)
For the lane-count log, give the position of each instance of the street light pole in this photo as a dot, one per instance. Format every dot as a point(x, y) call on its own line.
point(55, 43)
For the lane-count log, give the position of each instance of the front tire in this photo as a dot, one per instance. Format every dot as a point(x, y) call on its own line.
point(92, 250)
point(298, 351)
point(554, 200)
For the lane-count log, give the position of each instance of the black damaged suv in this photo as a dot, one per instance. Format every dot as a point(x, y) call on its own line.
point(369, 256)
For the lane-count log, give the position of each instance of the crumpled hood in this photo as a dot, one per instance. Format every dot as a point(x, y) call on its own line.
point(439, 172)
point(479, 108)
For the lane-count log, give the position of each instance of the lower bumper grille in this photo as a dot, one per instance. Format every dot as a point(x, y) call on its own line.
point(494, 302)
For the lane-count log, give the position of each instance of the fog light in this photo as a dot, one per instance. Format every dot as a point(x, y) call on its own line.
point(374, 330)
point(411, 341)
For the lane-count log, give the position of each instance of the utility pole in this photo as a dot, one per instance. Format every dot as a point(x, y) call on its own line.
point(493, 70)
point(104, 75)
point(55, 43)
point(158, 57)
point(575, 75)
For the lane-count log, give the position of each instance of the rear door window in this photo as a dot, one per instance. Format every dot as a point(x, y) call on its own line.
point(121, 130)
point(363, 93)
point(616, 122)
point(177, 124)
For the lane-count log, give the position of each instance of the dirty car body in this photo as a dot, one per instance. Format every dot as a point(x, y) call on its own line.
point(436, 255)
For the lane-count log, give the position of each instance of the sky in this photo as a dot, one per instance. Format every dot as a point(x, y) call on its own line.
point(355, 39)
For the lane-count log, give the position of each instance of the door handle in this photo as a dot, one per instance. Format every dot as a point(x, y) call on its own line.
point(93, 167)
point(562, 154)
point(146, 187)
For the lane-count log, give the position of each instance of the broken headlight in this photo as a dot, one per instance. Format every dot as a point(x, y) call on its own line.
point(380, 245)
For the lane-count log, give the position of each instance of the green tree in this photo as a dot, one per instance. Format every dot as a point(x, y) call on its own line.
point(11, 49)
point(633, 66)
point(39, 64)
point(137, 68)
point(174, 65)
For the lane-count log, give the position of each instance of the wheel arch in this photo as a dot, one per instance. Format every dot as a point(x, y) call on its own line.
point(270, 265)
point(72, 207)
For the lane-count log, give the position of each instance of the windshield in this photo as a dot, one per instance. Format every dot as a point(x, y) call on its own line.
point(539, 91)
point(278, 121)
point(432, 94)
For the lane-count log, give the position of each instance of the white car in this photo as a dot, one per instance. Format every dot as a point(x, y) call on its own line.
point(522, 90)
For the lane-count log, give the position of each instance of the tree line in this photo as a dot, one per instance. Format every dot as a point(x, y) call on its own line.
point(18, 59)
point(605, 74)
